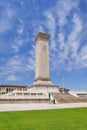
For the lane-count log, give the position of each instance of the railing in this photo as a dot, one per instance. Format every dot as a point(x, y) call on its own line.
point(77, 92)
point(24, 94)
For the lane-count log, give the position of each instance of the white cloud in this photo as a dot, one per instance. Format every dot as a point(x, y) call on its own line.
point(31, 59)
point(14, 64)
point(15, 47)
point(9, 12)
point(20, 29)
point(12, 78)
point(31, 64)
point(51, 25)
point(37, 28)
point(22, 3)
point(63, 9)
point(4, 26)
point(21, 37)
point(18, 43)
point(61, 39)
point(82, 57)
point(18, 64)
point(73, 41)
point(6, 18)
point(68, 26)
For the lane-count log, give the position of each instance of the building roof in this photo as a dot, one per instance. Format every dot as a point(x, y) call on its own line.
point(13, 86)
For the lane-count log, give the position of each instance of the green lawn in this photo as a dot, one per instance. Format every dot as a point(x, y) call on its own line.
point(61, 119)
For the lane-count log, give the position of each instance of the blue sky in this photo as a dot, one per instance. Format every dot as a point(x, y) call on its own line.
point(64, 20)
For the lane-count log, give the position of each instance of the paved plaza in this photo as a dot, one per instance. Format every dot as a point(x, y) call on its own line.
point(38, 106)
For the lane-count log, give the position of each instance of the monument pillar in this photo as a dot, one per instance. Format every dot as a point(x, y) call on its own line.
point(42, 58)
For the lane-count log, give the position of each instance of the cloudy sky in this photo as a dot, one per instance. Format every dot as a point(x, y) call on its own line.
point(64, 20)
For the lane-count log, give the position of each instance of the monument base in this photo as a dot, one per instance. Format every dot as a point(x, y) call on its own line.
point(40, 82)
point(45, 87)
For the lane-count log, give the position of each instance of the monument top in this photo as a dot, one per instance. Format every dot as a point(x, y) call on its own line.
point(41, 34)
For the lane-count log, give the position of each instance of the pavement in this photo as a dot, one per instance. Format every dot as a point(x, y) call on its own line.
point(39, 106)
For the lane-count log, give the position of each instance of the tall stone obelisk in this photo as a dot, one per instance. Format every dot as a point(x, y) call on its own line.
point(42, 59)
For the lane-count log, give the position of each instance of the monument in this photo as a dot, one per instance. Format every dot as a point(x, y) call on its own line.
point(42, 59)
point(42, 76)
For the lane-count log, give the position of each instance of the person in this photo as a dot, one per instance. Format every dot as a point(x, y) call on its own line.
point(49, 97)
point(54, 101)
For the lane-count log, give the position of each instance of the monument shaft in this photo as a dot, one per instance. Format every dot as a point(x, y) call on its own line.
point(42, 57)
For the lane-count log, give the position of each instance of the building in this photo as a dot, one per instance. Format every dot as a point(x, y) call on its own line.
point(4, 88)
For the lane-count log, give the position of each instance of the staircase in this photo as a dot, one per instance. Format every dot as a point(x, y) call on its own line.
point(67, 98)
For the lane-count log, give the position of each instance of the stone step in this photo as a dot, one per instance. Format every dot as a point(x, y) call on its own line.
point(14, 101)
point(67, 98)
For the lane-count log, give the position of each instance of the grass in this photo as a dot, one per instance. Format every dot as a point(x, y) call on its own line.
point(61, 119)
